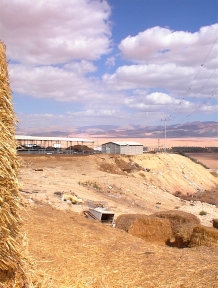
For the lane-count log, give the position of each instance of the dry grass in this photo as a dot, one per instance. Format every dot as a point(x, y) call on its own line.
point(72, 251)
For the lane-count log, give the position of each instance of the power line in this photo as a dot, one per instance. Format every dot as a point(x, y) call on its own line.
point(197, 93)
point(189, 88)
point(201, 67)
point(199, 106)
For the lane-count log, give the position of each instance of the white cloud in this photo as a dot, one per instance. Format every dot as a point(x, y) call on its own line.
point(52, 45)
point(82, 67)
point(169, 76)
point(161, 102)
point(65, 85)
point(110, 61)
point(55, 31)
point(160, 45)
point(53, 82)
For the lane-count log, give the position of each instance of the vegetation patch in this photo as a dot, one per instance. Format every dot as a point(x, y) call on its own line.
point(202, 213)
point(210, 197)
point(90, 184)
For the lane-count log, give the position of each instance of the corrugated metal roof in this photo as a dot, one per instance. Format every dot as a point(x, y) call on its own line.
point(126, 143)
point(42, 138)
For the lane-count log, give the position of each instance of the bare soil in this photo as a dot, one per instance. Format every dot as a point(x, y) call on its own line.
point(73, 251)
point(209, 159)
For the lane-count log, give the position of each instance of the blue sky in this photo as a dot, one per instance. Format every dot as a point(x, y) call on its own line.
point(76, 63)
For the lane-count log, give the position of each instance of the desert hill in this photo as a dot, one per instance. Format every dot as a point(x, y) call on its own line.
point(73, 251)
point(189, 129)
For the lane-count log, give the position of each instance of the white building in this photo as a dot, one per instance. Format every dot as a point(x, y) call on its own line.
point(127, 148)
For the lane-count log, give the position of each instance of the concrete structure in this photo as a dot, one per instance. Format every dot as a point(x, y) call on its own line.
point(128, 148)
point(50, 141)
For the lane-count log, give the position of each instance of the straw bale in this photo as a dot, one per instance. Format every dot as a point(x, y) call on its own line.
point(146, 227)
point(125, 221)
point(182, 224)
point(9, 196)
point(152, 229)
point(204, 236)
point(215, 223)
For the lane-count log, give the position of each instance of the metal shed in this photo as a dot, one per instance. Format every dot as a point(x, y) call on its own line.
point(128, 148)
point(101, 214)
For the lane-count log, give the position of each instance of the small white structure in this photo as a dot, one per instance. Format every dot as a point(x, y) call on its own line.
point(57, 145)
point(101, 214)
point(128, 148)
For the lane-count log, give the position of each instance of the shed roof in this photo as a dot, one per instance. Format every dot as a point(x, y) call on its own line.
point(39, 138)
point(126, 143)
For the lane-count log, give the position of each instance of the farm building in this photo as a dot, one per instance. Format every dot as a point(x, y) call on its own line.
point(56, 142)
point(128, 148)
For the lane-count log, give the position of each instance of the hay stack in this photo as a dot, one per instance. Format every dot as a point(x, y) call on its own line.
point(204, 236)
point(182, 224)
point(125, 221)
point(215, 223)
point(146, 227)
point(9, 197)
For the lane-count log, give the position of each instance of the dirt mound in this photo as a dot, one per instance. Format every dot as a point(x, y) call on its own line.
point(169, 172)
point(148, 228)
point(119, 165)
point(182, 225)
point(204, 236)
point(79, 148)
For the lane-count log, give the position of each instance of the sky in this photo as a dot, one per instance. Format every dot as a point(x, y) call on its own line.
point(75, 63)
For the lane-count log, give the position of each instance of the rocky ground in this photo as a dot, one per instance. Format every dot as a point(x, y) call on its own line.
point(126, 184)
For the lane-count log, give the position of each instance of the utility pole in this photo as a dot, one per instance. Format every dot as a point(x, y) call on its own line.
point(158, 145)
point(165, 132)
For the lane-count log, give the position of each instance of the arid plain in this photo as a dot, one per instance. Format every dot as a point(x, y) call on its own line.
point(70, 250)
point(169, 142)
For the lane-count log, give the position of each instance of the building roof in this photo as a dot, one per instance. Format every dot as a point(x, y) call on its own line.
point(42, 138)
point(126, 143)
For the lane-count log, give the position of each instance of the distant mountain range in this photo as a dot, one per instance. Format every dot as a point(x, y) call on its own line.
point(192, 129)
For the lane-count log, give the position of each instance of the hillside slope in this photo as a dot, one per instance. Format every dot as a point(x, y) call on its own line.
point(127, 184)
point(70, 250)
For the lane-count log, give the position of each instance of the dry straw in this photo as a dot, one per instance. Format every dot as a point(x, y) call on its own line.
point(173, 228)
point(182, 224)
point(9, 196)
point(215, 223)
point(145, 227)
point(204, 236)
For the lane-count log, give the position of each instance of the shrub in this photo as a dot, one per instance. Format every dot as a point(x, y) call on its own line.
point(202, 213)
